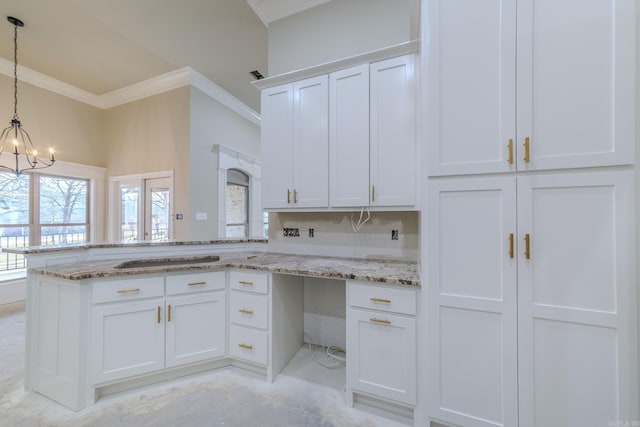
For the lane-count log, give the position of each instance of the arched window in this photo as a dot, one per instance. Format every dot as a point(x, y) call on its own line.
point(237, 203)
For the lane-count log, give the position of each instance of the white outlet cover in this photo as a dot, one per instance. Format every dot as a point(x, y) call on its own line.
point(201, 216)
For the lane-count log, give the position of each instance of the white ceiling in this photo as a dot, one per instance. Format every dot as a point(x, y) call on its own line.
point(103, 45)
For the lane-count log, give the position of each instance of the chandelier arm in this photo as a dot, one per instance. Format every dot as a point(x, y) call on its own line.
point(3, 137)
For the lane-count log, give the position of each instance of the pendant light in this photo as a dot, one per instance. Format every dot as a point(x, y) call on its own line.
point(15, 136)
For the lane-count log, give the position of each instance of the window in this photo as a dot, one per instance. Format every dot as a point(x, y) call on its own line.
point(63, 210)
point(61, 216)
point(237, 203)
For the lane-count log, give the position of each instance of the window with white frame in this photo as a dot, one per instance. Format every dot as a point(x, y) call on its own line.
point(237, 202)
point(39, 209)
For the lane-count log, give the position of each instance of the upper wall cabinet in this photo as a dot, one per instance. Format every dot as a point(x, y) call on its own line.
point(555, 90)
point(372, 141)
point(295, 145)
point(342, 140)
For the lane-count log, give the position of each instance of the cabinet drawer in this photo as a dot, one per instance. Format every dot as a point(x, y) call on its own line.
point(379, 298)
point(248, 344)
point(249, 309)
point(251, 282)
point(196, 282)
point(127, 289)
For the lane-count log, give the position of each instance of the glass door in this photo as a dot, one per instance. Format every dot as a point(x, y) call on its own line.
point(157, 219)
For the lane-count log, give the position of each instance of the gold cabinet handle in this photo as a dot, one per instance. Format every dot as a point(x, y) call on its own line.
point(288, 196)
point(169, 313)
point(128, 291)
point(196, 283)
point(510, 145)
point(386, 301)
point(383, 321)
point(511, 244)
point(295, 196)
point(373, 193)
point(527, 246)
point(158, 314)
point(244, 282)
point(246, 346)
point(245, 311)
point(526, 150)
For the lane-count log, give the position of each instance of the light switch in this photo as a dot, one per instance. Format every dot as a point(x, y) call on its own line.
point(201, 216)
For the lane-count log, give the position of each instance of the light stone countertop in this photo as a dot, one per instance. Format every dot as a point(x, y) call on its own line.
point(381, 271)
point(28, 250)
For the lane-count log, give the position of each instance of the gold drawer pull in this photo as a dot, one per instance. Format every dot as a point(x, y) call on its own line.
point(196, 283)
point(128, 291)
point(511, 251)
point(527, 246)
point(158, 314)
point(527, 152)
point(288, 196)
point(373, 193)
point(384, 300)
point(246, 346)
point(244, 282)
point(384, 321)
point(510, 145)
point(169, 314)
point(244, 311)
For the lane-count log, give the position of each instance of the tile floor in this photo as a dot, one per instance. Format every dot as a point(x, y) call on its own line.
point(305, 394)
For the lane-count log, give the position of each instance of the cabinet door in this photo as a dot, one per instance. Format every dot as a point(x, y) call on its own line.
point(472, 301)
point(381, 354)
point(576, 81)
point(577, 340)
point(195, 327)
point(311, 143)
point(277, 146)
point(127, 339)
point(471, 94)
point(393, 134)
point(349, 137)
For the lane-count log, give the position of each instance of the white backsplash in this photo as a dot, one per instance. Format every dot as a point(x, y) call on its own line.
point(334, 235)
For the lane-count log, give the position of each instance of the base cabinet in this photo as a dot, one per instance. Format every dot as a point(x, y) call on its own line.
point(530, 295)
point(133, 334)
point(381, 344)
point(128, 340)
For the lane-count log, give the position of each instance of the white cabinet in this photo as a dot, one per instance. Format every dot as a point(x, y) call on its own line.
point(196, 327)
point(343, 140)
point(349, 137)
point(555, 75)
point(372, 134)
point(136, 329)
point(249, 317)
point(393, 132)
point(381, 342)
point(127, 339)
point(529, 322)
point(295, 144)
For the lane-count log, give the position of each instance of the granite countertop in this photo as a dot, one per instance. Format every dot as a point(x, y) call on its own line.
point(142, 243)
point(381, 271)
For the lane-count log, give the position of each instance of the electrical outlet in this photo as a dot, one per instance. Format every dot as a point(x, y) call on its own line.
point(291, 232)
point(311, 232)
point(394, 234)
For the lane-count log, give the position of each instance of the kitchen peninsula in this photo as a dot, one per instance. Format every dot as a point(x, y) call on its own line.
point(107, 317)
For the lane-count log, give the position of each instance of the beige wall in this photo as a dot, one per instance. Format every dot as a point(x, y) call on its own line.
point(72, 128)
point(339, 29)
point(213, 123)
point(152, 135)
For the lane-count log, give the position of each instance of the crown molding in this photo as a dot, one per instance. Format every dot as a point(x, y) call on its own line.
point(272, 10)
point(222, 96)
point(165, 82)
point(43, 81)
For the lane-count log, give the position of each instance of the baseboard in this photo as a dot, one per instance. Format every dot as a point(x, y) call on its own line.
point(13, 291)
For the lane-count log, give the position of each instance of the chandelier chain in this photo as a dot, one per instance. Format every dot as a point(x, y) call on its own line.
point(15, 72)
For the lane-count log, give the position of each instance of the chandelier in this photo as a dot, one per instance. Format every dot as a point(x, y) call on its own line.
point(15, 136)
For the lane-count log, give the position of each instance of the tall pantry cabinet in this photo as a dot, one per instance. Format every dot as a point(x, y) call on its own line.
point(529, 253)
